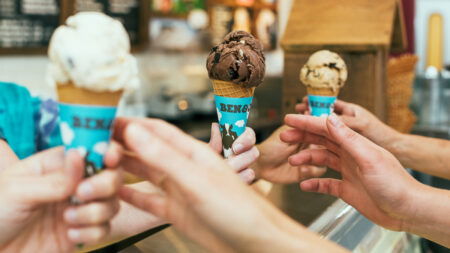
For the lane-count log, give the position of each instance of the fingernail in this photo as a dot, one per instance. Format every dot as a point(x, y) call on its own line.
point(70, 215)
point(86, 189)
point(238, 148)
point(247, 175)
point(74, 234)
point(335, 121)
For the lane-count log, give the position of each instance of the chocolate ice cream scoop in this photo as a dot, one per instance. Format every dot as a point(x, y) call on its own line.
point(238, 59)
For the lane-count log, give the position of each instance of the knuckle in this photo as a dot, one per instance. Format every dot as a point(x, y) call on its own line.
point(255, 152)
point(100, 233)
point(95, 213)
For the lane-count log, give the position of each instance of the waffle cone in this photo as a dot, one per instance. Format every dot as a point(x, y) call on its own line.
point(322, 92)
point(231, 90)
point(70, 94)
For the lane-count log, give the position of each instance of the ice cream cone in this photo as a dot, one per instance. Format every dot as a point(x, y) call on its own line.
point(322, 92)
point(70, 94)
point(231, 90)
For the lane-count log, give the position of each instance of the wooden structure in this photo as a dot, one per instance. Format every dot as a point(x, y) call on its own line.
point(363, 32)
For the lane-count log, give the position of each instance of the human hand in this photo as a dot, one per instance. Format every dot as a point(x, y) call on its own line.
point(35, 211)
point(373, 181)
point(273, 164)
point(199, 194)
point(361, 121)
point(244, 151)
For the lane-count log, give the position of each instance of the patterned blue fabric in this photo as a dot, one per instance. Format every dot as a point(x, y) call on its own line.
point(47, 127)
point(27, 123)
point(17, 119)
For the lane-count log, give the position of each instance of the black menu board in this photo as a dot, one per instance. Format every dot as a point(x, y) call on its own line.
point(27, 25)
point(129, 12)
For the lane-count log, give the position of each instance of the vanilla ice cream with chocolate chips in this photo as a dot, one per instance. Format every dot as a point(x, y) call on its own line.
point(324, 69)
point(92, 51)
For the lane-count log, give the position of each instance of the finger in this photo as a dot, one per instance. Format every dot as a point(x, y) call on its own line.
point(95, 213)
point(150, 202)
point(120, 124)
point(301, 108)
point(328, 186)
point(42, 163)
point(361, 149)
point(352, 122)
point(293, 136)
point(53, 186)
point(89, 235)
point(311, 171)
point(318, 157)
point(247, 175)
point(165, 157)
point(114, 155)
point(175, 139)
point(101, 186)
point(344, 108)
point(311, 124)
point(244, 142)
point(305, 100)
point(216, 139)
point(243, 160)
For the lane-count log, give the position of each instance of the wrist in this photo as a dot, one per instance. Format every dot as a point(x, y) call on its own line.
point(426, 204)
point(395, 142)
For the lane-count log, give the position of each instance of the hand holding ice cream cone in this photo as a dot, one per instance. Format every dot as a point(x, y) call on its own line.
point(236, 67)
point(90, 66)
point(323, 75)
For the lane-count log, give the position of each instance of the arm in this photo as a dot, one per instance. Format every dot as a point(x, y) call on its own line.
point(373, 181)
point(427, 155)
point(424, 154)
point(431, 219)
point(192, 178)
point(131, 220)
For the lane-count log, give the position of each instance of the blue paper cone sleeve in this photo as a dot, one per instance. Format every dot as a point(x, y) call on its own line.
point(88, 130)
point(321, 106)
point(233, 116)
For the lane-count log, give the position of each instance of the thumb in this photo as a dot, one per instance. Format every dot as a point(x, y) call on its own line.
point(216, 139)
point(356, 145)
point(56, 185)
point(352, 122)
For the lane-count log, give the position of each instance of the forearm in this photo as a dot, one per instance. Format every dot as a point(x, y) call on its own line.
point(294, 237)
point(424, 154)
point(274, 231)
point(430, 218)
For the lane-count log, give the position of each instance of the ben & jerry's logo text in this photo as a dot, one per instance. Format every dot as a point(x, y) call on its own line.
point(92, 123)
point(234, 108)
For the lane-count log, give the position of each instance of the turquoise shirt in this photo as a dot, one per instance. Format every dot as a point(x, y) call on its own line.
point(29, 124)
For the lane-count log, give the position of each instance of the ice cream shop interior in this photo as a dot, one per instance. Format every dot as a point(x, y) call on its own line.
point(326, 116)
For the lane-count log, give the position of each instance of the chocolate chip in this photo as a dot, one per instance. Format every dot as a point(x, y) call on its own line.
point(332, 65)
point(216, 58)
point(233, 74)
point(71, 63)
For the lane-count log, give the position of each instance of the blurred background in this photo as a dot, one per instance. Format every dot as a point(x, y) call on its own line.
point(400, 51)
